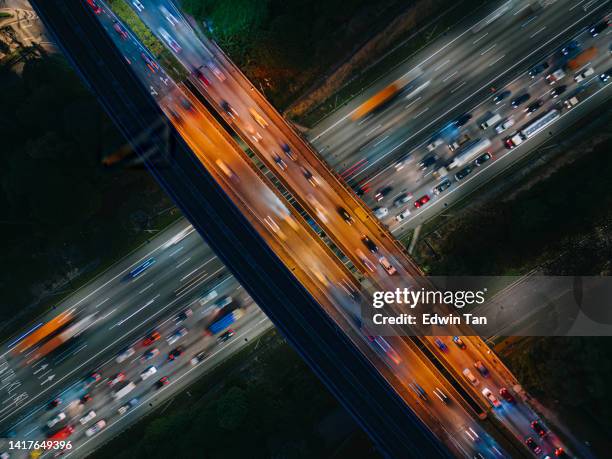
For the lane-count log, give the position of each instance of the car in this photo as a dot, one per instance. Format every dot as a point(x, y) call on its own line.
point(538, 428)
point(558, 91)
point(462, 120)
point(367, 263)
point(128, 406)
point(88, 417)
point(584, 74)
point(308, 175)
point(472, 435)
point(228, 109)
point(419, 390)
point(162, 382)
point(92, 378)
point(97, 427)
point(384, 262)
point(138, 5)
point(175, 353)
point(387, 348)
point(470, 377)
point(441, 345)
point(506, 395)
point(200, 76)
point(428, 161)
point(534, 107)
point(382, 192)
point(533, 446)
point(116, 379)
point(604, 77)
point(169, 16)
point(380, 212)
point(84, 399)
point(421, 201)
point(149, 354)
point(599, 27)
point(534, 71)
point(170, 41)
point(120, 30)
point(183, 315)
point(463, 173)
point(151, 338)
point(54, 403)
point(507, 123)
point(442, 186)
point(287, 150)
point(492, 398)
point(258, 118)
point(94, 6)
point(401, 163)
point(57, 418)
point(61, 434)
point(459, 342)
point(402, 215)
point(199, 357)
point(560, 452)
point(402, 199)
point(149, 371)
point(178, 334)
point(225, 336)
point(482, 159)
point(520, 100)
point(571, 48)
point(369, 244)
point(481, 368)
point(344, 214)
point(497, 98)
point(216, 71)
point(280, 162)
point(150, 63)
point(441, 395)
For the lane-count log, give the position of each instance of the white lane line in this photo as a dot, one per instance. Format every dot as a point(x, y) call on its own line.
point(176, 251)
point(537, 32)
point(522, 8)
point(488, 49)
point(528, 21)
point(420, 113)
point(183, 262)
point(577, 5)
point(441, 65)
point(381, 141)
point(100, 304)
point(197, 269)
point(367, 134)
point(450, 76)
point(148, 303)
point(456, 88)
point(480, 38)
point(497, 60)
point(413, 102)
point(107, 314)
point(534, 83)
point(146, 288)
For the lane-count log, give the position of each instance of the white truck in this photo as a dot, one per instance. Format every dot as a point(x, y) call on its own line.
point(469, 152)
point(126, 389)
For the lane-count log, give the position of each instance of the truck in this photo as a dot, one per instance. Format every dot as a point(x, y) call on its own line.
point(224, 322)
point(376, 101)
point(531, 129)
point(555, 76)
point(61, 320)
point(126, 389)
point(583, 58)
point(469, 151)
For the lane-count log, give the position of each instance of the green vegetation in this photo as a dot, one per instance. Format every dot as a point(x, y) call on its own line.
point(65, 216)
point(285, 45)
point(263, 402)
point(4, 14)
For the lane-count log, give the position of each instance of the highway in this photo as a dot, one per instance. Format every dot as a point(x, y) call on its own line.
point(320, 198)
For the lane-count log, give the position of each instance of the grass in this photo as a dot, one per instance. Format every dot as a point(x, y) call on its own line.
point(4, 14)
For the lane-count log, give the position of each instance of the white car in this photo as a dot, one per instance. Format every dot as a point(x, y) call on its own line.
point(171, 42)
point(489, 395)
point(402, 215)
point(381, 212)
point(584, 74)
point(139, 6)
point(98, 426)
point(387, 266)
point(148, 372)
point(470, 377)
point(168, 15)
point(88, 417)
point(53, 421)
point(216, 71)
point(507, 123)
point(178, 334)
point(125, 355)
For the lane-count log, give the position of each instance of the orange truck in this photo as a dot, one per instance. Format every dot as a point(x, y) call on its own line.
point(41, 333)
point(376, 101)
point(582, 58)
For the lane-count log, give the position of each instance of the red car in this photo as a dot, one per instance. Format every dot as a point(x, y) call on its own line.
point(120, 30)
point(533, 446)
point(116, 379)
point(506, 395)
point(538, 428)
point(162, 382)
point(173, 354)
point(421, 201)
point(200, 76)
point(62, 434)
point(94, 6)
point(151, 338)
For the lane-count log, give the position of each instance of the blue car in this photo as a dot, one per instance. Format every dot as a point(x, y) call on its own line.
point(138, 270)
point(441, 345)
